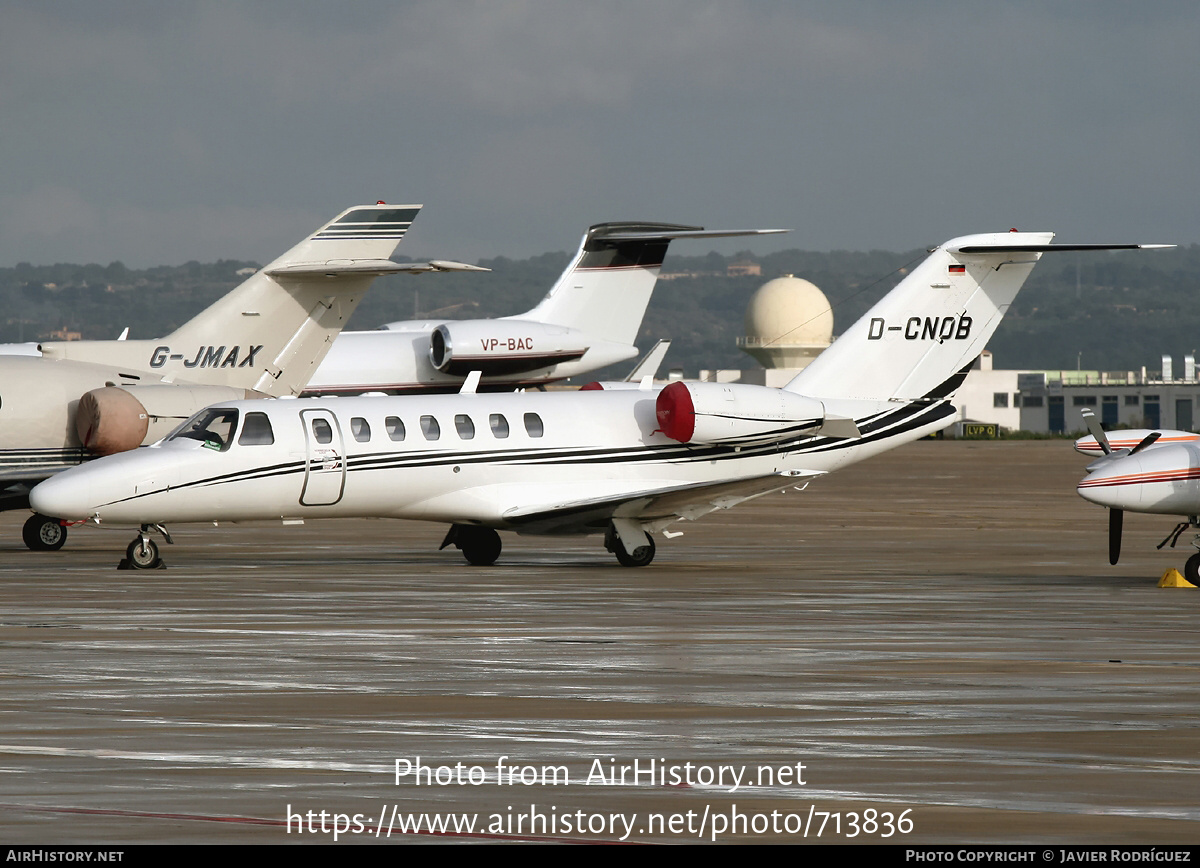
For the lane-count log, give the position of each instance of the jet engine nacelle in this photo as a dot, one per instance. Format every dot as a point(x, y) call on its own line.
point(119, 418)
point(715, 412)
point(503, 346)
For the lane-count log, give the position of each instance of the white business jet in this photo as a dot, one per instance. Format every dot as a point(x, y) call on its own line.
point(74, 400)
point(626, 463)
point(1144, 470)
point(589, 319)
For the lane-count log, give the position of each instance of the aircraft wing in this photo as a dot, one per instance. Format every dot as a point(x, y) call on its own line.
point(665, 504)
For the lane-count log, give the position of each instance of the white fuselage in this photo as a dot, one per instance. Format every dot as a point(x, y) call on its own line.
point(337, 457)
point(396, 360)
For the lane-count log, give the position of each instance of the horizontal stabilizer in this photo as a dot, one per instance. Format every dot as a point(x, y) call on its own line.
point(606, 287)
point(444, 265)
point(685, 232)
point(369, 268)
point(916, 343)
point(1051, 248)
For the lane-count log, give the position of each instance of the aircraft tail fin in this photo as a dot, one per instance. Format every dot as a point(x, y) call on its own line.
point(271, 332)
point(605, 289)
point(283, 319)
point(918, 342)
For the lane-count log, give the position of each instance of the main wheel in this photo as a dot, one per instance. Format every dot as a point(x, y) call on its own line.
point(44, 534)
point(1191, 570)
point(642, 555)
point(143, 555)
point(480, 545)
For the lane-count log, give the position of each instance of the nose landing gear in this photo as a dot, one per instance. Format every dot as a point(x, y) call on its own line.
point(142, 553)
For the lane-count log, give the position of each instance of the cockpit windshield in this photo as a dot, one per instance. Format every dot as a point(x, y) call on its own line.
point(213, 427)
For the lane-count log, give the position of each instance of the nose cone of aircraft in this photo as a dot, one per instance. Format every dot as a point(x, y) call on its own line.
point(1162, 479)
point(97, 488)
point(1113, 482)
point(62, 496)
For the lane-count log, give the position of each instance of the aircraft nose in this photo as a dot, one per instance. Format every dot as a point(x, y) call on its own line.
point(62, 497)
point(1114, 482)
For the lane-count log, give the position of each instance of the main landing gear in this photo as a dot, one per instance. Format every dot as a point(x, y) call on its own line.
point(632, 545)
point(44, 534)
point(1191, 569)
point(479, 545)
point(142, 553)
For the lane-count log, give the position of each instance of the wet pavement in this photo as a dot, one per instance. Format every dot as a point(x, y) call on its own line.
point(933, 637)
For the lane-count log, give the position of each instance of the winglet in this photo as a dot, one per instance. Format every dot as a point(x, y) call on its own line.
point(471, 383)
point(648, 364)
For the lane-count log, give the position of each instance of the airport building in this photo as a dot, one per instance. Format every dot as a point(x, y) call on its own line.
point(1054, 400)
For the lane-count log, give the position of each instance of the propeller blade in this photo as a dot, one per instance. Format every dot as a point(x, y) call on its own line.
point(1115, 519)
point(1093, 426)
point(1148, 440)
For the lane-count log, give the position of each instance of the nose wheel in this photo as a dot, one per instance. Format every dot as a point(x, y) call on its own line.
point(142, 553)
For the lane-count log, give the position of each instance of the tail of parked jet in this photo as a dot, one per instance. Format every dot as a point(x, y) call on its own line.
point(606, 288)
point(270, 333)
point(918, 341)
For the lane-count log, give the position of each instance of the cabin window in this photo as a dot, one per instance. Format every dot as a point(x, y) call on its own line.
point(394, 427)
point(464, 426)
point(360, 429)
point(322, 431)
point(499, 426)
point(256, 431)
point(533, 425)
point(430, 428)
point(214, 428)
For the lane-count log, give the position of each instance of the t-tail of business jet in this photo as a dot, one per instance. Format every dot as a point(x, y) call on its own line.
point(625, 463)
point(78, 399)
point(589, 319)
point(271, 332)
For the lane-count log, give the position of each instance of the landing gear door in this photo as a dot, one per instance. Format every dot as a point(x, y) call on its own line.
point(325, 468)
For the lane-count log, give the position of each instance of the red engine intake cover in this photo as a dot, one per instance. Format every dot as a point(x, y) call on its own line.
point(676, 413)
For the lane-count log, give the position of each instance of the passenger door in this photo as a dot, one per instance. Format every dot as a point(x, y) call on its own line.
point(325, 469)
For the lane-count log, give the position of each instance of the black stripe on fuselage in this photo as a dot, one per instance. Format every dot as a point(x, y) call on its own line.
point(879, 427)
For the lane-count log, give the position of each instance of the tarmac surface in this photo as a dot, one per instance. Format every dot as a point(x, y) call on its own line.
point(934, 635)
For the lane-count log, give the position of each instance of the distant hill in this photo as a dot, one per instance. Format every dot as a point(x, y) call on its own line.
point(1108, 311)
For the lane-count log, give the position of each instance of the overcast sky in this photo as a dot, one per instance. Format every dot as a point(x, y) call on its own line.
point(155, 133)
